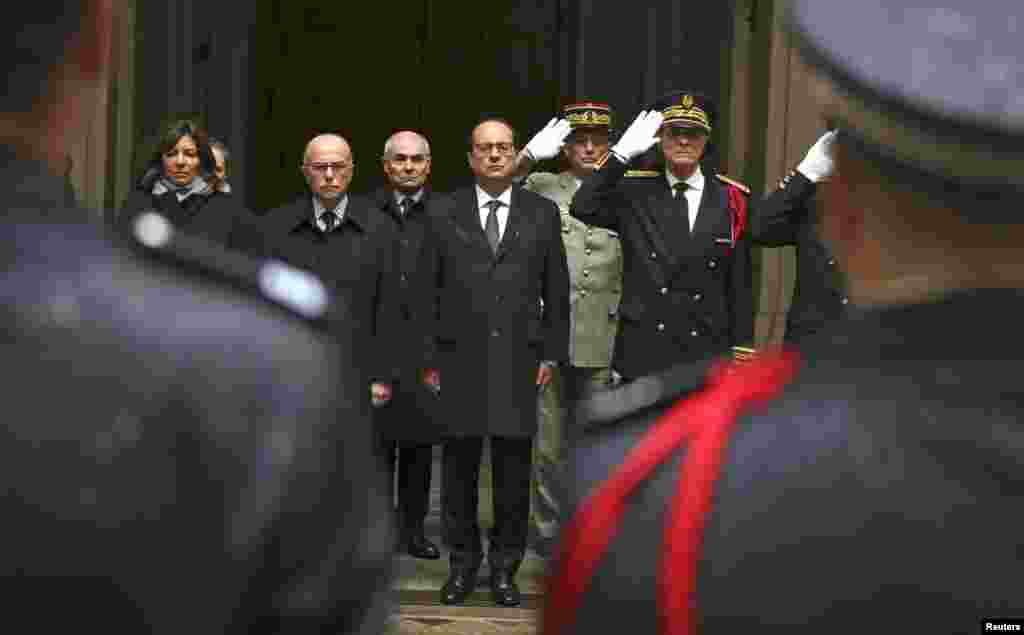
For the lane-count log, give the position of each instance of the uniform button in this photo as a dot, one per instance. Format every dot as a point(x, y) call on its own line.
point(697, 297)
point(654, 256)
point(583, 293)
point(661, 326)
point(712, 263)
point(831, 262)
point(845, 301)
point(587, 251)
point(586, 273)
point(694, 333)
point(664, 290)
point(495, 333)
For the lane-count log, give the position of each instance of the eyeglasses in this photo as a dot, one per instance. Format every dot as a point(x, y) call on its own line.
point(321, 168)
point(416, 159)
point(484, 149)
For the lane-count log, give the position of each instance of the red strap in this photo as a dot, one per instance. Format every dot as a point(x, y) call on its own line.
point(705, 419)
point(738, 205)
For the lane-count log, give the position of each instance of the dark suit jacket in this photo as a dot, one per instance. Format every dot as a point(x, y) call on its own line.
point(171, 451)
point(879, 491)
point(488, 330)
point(358, 260)
point(410, 414)
point(788, 216)
point(685, 295)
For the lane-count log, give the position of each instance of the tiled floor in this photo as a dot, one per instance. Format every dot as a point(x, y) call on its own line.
point(418, 583)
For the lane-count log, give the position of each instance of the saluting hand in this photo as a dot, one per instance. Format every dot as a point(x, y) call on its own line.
point(547, 143)
point(640, 136)
point(818, 164)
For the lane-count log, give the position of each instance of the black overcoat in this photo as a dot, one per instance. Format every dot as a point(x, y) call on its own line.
point(494, 317)
point(410, 416)
point(358, 260)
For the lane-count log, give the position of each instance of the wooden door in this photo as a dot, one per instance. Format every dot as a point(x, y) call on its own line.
point(368, 70)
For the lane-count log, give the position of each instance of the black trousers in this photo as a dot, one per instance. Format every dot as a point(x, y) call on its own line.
point(511, 463)
point(414, 464)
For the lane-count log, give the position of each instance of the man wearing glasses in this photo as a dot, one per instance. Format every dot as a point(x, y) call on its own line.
point(342, 239)
point(497, 313)
point(686, 284)
point(595, 272)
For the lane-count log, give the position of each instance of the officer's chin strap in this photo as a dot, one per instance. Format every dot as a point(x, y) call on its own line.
point(704, 420)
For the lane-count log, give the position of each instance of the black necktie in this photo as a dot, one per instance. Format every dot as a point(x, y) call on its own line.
point(491, 227)
point(330, 220)
point(681, 202)
point(406, 205)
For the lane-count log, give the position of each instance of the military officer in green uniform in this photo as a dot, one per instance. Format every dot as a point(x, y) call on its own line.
point(595, 270)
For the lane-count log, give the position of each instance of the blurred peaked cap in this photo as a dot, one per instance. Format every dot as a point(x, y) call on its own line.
point(939, 89)
point(689, 108)
point(300, 292)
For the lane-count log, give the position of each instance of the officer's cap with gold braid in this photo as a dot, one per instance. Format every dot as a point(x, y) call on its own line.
point(934, 95)
point(688, 109)
point(588, 114)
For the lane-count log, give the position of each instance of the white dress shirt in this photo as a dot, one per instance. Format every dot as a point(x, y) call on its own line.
point(693, 193)
point(339, 210)
point(483, 198)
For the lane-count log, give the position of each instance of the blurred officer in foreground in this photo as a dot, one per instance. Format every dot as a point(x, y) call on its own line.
point(595, 288)
point(878, 489)
point(790, 216)
point(171, 453)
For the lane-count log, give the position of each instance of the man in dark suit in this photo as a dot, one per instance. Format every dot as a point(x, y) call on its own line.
point(789, 216)
point(162, 472)
point(874, 486)
point(407, 420)
point(686, 290)
point(499, 313)
point(347, 243)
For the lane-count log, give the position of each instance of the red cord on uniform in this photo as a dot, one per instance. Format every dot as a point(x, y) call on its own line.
point(705, 420)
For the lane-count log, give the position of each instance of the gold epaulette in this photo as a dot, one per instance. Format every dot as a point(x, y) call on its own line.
point(743, 354)
point(642, 173)
point(724, 179)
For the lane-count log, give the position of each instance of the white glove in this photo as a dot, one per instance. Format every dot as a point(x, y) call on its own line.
point(818, 164)
point(640, 135)
point(548, 142)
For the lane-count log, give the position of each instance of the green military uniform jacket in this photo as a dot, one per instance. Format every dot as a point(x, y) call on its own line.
point(595, 274)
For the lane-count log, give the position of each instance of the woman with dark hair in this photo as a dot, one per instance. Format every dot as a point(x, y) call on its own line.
point(179, 181)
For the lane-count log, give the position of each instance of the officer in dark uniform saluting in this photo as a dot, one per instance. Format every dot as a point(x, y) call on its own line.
point(872, 482)
point(790, 216)
point(183, 448)
point(686, 257)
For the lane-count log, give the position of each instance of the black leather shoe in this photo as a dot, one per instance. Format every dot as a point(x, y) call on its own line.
point(417, 546)
point(459, 586)
point(504, 589)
